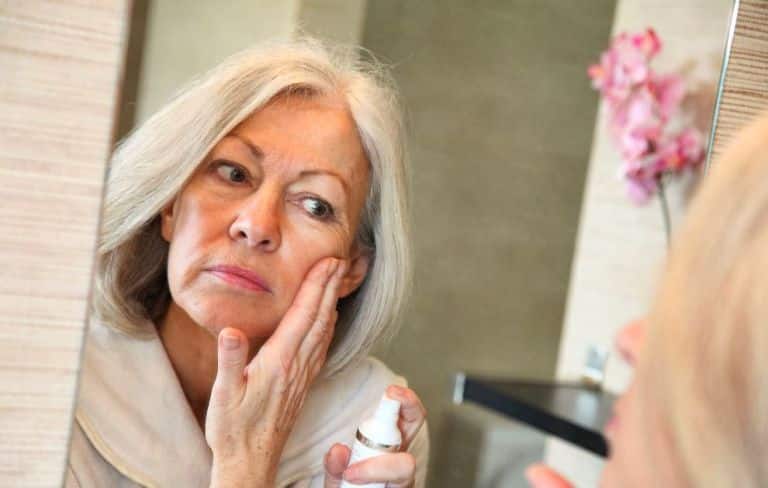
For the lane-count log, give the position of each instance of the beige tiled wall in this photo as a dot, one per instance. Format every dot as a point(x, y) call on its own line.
point(59, 68)
point(743, 93)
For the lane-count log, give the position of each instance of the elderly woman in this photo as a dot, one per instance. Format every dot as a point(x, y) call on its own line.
point(696, 414)
point(254, 247)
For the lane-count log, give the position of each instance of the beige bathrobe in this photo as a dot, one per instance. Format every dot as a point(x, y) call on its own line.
point(134, 426)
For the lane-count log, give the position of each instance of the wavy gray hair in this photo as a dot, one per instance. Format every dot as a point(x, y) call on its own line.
point(152, 165)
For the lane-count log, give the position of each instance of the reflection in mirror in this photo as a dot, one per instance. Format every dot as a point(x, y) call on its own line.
point(223, 202)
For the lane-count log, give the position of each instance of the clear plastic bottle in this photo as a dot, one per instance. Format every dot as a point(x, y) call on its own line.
point(376, 436)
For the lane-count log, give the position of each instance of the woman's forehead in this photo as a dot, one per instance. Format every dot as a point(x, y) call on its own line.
point(317, 133)
point(286, 111)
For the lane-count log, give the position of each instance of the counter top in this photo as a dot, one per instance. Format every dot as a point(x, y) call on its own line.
point(573, 412)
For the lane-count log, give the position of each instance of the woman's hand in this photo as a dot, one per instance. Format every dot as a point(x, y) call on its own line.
point(541, 476)
point(396, 469)
point(254, 406)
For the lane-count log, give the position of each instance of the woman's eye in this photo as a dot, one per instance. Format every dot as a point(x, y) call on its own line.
point(231, 172)
point(318, 208)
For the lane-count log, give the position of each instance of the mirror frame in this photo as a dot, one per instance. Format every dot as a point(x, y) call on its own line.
point(742, 93)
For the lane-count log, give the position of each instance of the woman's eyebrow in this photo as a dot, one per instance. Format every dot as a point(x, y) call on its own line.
point(258, 155)
point(256, 151)
point(325, 172)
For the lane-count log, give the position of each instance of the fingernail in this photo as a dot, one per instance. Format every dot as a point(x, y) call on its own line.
point(231, 341)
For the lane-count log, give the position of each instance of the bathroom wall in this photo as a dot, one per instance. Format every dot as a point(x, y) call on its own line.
point(60, 64)
point(184, 39)
point(173, 42)
point(336, 20)
point(501, 117)
point(621, 247)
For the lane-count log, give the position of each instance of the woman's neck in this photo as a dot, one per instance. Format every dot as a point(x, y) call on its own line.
point(192, 352)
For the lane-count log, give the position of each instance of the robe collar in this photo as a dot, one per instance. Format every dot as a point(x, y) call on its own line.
point(133, 410)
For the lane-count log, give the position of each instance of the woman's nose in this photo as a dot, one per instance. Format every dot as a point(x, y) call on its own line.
point(258, 221)
point(630, 339)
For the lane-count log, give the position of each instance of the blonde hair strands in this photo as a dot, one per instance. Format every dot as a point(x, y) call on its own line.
point(708, 341)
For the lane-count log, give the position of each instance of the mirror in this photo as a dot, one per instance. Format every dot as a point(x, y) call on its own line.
point(519, 223)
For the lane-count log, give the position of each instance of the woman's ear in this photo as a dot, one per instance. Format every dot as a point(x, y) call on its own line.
point(358, 268)
point(168, 220)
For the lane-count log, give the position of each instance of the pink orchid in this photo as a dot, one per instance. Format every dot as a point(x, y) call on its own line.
point(641, 183)
point(636, 125)
point(691, 143)
point(639, 110)
point(669, 90)
point(641, 103)
point(685, 150)
point(647, 42)
point(633, 144)
point(624, 65)
point(636, 143)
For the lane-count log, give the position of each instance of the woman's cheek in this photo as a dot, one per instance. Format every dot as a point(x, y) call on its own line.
point(319, 239)
point(179, 266)
point(299, 255)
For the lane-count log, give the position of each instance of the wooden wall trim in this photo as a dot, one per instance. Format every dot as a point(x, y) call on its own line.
point(743, 91)
point(60, 63)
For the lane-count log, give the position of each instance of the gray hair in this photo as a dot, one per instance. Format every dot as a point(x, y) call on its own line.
point(151, 166)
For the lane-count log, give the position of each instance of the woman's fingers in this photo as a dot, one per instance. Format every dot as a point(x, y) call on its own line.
point(397, 470)
point(232, 358)
point(321, 332)
point(301, 315)
point(541, 476)
point(629, 340)
point(336, 462)
point(412, 412)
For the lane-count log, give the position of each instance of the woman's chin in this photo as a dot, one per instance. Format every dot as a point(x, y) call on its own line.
point(215, 312)
point(253, 327)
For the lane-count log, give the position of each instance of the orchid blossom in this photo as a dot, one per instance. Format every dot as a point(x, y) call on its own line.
point(641, 103)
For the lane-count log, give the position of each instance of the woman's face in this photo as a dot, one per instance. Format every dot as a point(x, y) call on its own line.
point(640, 450)
point(283, 190)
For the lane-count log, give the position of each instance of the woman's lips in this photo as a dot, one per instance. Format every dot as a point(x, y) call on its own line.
point(240, 277)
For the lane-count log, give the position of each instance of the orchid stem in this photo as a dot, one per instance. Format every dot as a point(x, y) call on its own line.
point(664, 208)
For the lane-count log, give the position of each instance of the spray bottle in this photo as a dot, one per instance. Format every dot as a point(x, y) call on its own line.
point(376, 436)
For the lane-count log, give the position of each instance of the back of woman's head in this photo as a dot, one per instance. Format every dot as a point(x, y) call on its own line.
point(705, 358)
point(152, 165)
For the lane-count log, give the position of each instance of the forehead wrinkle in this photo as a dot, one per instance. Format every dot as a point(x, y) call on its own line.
point(350, 168)
point(289, 161)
